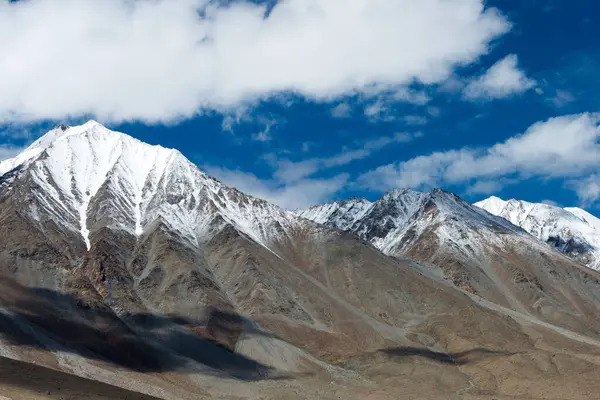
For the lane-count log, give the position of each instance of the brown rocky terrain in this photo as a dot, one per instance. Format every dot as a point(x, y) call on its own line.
point(190, 290)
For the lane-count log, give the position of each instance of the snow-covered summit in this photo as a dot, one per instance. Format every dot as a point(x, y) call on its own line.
point(398, 217)
point(89, 177)
point(345, 213)
point(572, 231)
point(36, 148)
point(493, 205)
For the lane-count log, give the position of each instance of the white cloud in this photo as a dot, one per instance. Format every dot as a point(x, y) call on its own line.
point(163, 60)
point(299, 194)
point(263, 136)
point(561, 147)
point(562, 98)
point(502, 79)
point(381, 107)
point(342, 110)
point(290, 171)
point(8, 151)
point(265, 124)
point(485, 187)
point(378, 111)
point(268, 124)
point(292, 184)
point(411, 96)
point(452, 85)
point(235, 117)
point(587, 189)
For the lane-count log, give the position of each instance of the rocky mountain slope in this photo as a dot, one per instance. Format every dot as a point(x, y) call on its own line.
point(475, 250)
point(124, 263)
point(572, 231)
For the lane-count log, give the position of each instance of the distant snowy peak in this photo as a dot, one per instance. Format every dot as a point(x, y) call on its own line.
point(585, 217)
point(339, 214)
point(493, 205)
point(100, 178)
point(572, 231)
point(400, 216)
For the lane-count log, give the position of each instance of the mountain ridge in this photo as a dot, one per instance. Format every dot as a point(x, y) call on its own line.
point(465, 245)
point(570, 230)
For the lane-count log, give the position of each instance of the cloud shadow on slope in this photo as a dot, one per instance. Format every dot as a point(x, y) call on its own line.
point(460, 358)
point(49, 320)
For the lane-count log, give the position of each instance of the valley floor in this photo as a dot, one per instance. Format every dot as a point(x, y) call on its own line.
point(554, 369)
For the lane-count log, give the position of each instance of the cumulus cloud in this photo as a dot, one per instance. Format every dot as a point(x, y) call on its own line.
point(502, 79)
point(587, 189)
point(561, 147)
point(164, 60)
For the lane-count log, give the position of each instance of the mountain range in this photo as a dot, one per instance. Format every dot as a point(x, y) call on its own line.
point(124, 263)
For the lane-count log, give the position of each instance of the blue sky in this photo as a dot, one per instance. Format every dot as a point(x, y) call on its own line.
point(307, 101)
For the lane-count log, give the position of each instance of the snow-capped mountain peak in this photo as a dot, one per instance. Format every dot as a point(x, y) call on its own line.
point(585, 217)
point(101, 178)
point(493, 205)
point(344, 213)
point(572, 231)
point(41, 144)
point(391, 222)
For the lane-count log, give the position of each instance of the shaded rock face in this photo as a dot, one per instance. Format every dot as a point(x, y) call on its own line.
point(117, 253)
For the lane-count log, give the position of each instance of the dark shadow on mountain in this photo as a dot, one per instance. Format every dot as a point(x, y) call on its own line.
point(461, 358)
point(47, 319)
point(571, 246)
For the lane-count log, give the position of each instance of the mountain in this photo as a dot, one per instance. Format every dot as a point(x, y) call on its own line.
point(123, 263)
point(83, 170)
point(572, 231)
point(393, 222)
point(474, 250)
